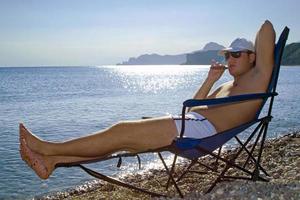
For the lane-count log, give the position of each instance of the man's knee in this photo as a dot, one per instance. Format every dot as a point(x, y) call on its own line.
point(117, 126)
point(122, 126)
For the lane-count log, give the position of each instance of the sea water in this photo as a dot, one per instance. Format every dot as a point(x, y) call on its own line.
point(61, 103)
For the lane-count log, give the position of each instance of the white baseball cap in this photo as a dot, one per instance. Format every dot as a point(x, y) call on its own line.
point(239, 44)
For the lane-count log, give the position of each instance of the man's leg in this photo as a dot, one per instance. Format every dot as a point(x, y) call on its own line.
point(131, 135)
point(43, 165)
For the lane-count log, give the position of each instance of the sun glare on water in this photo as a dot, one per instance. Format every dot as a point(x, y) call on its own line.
point(155, 78)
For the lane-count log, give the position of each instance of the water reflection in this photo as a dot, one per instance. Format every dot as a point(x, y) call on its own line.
point(157, 79)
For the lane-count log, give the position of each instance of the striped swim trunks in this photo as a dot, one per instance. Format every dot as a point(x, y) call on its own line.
point(196, 126)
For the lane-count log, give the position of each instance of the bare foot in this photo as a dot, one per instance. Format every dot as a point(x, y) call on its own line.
point(36, 161)
point(33, 142)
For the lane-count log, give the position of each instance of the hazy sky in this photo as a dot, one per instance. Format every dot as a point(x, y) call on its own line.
point(101, 32)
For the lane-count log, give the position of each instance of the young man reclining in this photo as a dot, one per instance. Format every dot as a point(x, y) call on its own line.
point(251, 69)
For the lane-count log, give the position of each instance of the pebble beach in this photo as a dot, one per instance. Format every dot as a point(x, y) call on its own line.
point(281, 159)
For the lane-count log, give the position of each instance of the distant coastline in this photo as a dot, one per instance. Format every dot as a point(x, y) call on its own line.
point(291, 57)
point(209, 51)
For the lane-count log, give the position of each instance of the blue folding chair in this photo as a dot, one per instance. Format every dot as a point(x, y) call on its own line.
point(193, 149)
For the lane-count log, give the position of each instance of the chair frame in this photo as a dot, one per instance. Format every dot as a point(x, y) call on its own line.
point(180, 145)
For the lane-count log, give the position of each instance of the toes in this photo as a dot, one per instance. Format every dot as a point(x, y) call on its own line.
point(23, 134)
point(22, 153)
point(22, 127)
point(32, 159)
point(22, 131)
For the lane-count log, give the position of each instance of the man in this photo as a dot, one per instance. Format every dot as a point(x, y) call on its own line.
point(251, 70)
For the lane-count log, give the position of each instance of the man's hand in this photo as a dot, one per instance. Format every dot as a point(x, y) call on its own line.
point(215, 72)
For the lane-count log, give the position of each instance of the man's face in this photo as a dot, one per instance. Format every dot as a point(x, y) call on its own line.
point(239, 62)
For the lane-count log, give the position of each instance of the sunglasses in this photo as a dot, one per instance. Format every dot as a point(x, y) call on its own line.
point(236, 54)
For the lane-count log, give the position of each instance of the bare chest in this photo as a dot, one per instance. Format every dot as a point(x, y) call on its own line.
point(230, 89)
point(244, 86)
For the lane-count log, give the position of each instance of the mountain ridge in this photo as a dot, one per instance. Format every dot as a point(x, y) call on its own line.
point(291, 56)
point(177, 59)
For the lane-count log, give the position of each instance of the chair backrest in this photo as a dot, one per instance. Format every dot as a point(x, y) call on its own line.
point(185, 146)
point(278, 51)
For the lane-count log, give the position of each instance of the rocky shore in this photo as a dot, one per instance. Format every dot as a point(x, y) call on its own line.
point(281, 159)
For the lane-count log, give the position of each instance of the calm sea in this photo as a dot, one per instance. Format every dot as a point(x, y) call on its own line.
point(59, 103)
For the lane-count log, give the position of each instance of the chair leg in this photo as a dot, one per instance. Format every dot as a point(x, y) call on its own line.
point(117, 182)
point(250, 154)
point(218, 179)
point(214, 169)
point(217, 160)
point(257, 164)
point(193, 162)
point(229, 164)
point(170, 175)
point(172, 170)
point(254, 145)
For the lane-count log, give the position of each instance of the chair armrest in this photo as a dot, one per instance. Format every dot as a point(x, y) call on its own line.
point(231, 99)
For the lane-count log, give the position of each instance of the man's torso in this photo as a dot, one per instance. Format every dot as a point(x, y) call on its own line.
point(227, 116)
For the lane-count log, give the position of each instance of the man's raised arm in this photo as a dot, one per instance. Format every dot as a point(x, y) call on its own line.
point(264, 48)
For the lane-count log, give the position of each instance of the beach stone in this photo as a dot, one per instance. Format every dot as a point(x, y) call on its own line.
point(220, 191)
point(276, 175)
point(281, 197)
point(273, 195)
point(292, 173)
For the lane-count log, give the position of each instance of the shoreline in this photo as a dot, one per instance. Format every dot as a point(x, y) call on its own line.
point(281, 159)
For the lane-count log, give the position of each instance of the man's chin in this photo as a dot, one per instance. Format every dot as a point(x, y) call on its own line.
point(231, 71)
